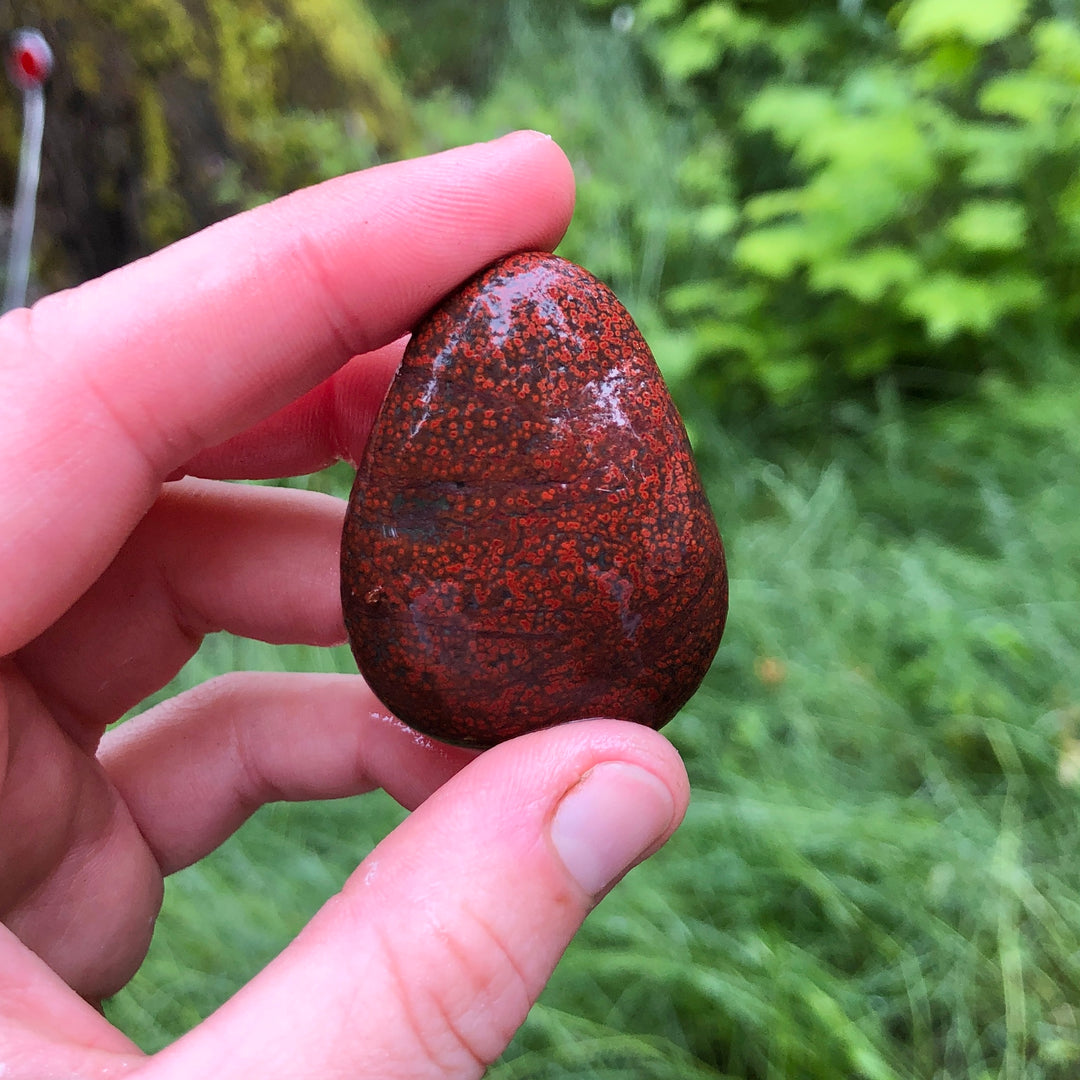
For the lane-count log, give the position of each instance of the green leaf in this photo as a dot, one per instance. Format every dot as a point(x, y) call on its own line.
point(998, 153)
point(982, 22)
point(683, 54)
point(950, 63)
point(790, 113)
point(870, 357)
point(693, 297)
point(713, 297)
point(895, 143)
point(657, 10)
point(700, 42)
point(851, 202)
point(715, 222)
point(674, 349)
point(868, 277)
point(786, 376)
point(775, 204)
point(990, 225)
point(1068, 207)
point(1023, 95)
point(949, 303)
point(714, 337)
point(1057, 48)
point(704, 172)
point(777, 250)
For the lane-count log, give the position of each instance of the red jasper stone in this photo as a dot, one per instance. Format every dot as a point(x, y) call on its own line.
point(528, 541)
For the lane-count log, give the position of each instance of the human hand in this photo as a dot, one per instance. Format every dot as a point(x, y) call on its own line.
point(261, 347)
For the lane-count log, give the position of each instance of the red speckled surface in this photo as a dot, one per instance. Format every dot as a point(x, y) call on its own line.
point(528, 541)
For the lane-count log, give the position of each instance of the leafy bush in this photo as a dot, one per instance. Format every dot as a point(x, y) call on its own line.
point(871, 186)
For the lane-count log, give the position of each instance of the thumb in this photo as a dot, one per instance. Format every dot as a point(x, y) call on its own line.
point(429, 959)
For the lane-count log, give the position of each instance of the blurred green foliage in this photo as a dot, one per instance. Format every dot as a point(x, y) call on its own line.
point(793, 198)
point(870, 187)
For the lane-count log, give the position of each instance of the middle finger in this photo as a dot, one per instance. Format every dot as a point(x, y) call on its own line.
point(259, 562)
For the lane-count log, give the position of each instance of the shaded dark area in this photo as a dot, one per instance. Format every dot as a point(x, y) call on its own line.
point(161, 120)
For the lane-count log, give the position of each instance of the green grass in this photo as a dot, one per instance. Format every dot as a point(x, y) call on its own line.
point(877, 877)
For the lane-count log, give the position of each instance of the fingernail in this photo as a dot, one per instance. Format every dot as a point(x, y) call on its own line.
point(523, 133)
point(608, 820)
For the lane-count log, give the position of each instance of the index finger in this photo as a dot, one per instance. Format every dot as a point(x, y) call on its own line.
point(106, 388)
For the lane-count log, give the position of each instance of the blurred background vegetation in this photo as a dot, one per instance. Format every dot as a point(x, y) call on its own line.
point(851, 232)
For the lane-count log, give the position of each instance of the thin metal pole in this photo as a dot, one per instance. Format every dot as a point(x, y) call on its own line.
point(22, 217)
point(30, 61)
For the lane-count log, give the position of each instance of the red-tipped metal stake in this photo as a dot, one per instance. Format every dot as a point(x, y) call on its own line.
point(29, 62)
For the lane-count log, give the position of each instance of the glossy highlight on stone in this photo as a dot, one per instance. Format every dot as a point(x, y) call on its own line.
point(527, 540)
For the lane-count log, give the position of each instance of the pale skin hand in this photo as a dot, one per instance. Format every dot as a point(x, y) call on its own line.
point(260, 348)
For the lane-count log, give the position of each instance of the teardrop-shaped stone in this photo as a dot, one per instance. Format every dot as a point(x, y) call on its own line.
point(528, 541)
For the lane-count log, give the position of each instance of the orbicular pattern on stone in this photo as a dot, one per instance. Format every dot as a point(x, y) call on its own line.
point(528, 541)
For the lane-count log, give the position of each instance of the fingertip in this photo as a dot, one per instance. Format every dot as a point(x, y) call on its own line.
point(626, 792)
point(536, 161)
point(588, 742)
point(527, 171)
point(614, 816)
point(542, 148)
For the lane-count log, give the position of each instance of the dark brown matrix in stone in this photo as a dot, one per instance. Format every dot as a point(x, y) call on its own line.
point(527, 540)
